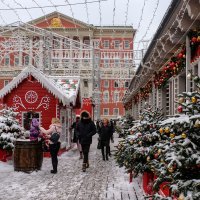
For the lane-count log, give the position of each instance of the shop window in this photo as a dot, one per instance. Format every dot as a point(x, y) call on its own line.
point(27, 117)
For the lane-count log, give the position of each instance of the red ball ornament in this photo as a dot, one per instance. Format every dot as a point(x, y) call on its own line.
point(180, 55)
point(180, 109)
point(194, 39)
point(156, 155)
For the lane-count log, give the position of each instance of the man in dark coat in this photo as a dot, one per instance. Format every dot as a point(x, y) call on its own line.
point(85, 130)
point(105, 133)
point(75, 137)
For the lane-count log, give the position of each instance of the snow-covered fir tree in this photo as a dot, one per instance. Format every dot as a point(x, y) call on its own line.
point(133, 150)
point(10, 129)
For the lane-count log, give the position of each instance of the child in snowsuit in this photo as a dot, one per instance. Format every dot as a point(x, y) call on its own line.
point(34, 131)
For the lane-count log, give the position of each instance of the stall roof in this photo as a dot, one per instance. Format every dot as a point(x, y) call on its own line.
point(65, 88)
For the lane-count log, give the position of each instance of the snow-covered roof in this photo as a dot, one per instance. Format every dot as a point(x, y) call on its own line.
point(68, 85)
point(59, 86)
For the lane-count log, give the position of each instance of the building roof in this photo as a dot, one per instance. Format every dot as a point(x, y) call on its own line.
point(64, 88)
point(167, 40)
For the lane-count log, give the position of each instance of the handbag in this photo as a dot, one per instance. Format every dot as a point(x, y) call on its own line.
point(55, 137)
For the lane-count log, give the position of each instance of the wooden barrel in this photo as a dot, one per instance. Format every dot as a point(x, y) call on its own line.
point(28, 155)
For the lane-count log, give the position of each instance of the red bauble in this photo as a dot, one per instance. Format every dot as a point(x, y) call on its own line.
point(172, 64)
point(156, 155)
point(180, 109)
point(180, 55)
point(194, 39)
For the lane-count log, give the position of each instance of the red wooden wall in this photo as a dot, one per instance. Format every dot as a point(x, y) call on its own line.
point(20, 94)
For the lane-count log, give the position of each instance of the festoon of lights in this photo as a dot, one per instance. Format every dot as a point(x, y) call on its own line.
point(153, 56)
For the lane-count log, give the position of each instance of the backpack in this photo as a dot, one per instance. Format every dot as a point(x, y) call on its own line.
point(55, 137)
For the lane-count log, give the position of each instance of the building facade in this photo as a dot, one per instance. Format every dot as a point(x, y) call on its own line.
point(173, 54)
point(61, 45)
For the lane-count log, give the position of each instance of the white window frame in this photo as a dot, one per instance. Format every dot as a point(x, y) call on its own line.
point(116, 97)
point(6, 82)
point(106, 83)
point(116, 44)
point(126, 47)
point(106, 62)
point(25, 57)
point(16, 57)
point(22, 122)
point(114, 111)
point(104, 111)
point(106, 99)
point(117, 84)
point(106, 44)
point(125, 84)
point(7, 57)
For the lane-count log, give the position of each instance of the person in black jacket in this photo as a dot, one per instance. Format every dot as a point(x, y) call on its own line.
point(85, 130)
point(105, 133)
point(75, 137)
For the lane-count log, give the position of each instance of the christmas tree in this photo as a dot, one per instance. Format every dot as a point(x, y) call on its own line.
point(133, 150)
point(124, 126)
point(178, 156)
point(9, 129)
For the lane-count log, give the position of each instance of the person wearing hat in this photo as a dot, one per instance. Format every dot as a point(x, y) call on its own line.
point(75, 136)
point(85, 130)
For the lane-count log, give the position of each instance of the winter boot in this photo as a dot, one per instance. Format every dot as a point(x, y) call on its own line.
point(84, 167)
point(87, 164)
point(81, 155)
point(106, 157)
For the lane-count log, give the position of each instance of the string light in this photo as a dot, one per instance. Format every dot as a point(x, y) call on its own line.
point(141, 77)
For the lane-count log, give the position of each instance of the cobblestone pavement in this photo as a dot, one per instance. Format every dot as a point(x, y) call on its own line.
point(102, 181)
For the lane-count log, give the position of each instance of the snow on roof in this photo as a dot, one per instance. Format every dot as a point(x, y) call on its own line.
point(55, 85)
point(68, 85)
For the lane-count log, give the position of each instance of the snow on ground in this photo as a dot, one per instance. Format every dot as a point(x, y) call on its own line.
point(102, 181)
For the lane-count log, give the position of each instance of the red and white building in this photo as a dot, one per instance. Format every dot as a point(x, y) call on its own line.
point(59, 45)
point(33, 94)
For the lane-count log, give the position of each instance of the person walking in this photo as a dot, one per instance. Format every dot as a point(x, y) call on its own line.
point(75, 136)
point(112, 139)
point(105, 133)
point(54, 144)
point(85, 130)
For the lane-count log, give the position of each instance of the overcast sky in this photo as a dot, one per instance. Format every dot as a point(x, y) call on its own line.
point(138, 15)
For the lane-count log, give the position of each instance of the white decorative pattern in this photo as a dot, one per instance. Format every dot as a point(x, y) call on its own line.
point(31, 96)
point(44, 102)
point(17, 102)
